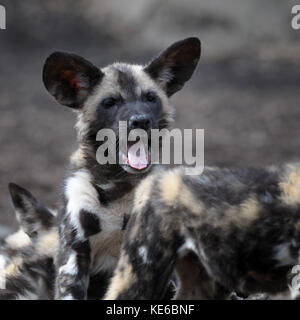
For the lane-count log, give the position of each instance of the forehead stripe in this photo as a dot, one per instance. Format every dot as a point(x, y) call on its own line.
point(127, 82)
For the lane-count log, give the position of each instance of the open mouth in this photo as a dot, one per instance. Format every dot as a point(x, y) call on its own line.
point(138, 155)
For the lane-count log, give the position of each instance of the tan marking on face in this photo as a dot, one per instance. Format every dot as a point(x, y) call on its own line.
point(48, 243)
point(142, 194)
point(170, 187)
point(145, 83)
point(291, 188)
point(108, 87)
point(123, 278)
point(18, 240)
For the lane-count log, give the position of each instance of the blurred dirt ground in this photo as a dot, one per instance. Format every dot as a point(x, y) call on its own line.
point(245, 93)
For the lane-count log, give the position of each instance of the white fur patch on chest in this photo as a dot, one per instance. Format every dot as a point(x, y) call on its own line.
point(112, 216)
point(105, 246)
point(81, 194)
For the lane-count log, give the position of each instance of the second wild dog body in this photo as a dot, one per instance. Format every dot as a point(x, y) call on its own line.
point(98, 198)
point(27, 256)
point(225, 230)
point(27, 269)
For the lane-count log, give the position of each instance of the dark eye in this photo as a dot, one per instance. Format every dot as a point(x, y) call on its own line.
point(151, 97)
point(109, 102)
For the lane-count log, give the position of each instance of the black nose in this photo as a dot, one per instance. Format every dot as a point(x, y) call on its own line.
point(141, 121)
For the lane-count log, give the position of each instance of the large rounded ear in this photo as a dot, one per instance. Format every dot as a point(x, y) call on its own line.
point(175, 65)
point(70, 78)
point(32, 215)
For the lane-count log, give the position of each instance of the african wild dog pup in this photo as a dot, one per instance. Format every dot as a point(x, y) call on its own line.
point(225, 230)
point(98, 198)
point(26, 257)
point(27, 269)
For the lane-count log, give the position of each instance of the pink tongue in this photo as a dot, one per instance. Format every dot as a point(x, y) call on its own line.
point(137, 156)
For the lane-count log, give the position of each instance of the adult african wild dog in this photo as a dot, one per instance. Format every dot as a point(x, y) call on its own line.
point(26, 257)
point(98, 198)
point(225, 230)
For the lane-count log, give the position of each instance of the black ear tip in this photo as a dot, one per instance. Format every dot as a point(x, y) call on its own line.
point(18, 193)
point(49, 63)
point(53, 58)
point(55, 55)
point(191, 44)
point(194, 42)
point(14, 188)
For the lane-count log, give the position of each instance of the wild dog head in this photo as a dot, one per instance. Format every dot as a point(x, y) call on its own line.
point(33, 216)
point(138, 95)
point(36, 221)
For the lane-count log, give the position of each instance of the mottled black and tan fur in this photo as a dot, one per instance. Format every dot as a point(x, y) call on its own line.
point(27, 256)
point(98, 198)
point(225, 230)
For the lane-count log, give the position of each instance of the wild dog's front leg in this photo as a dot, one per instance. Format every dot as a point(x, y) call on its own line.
point(77, 223)
point(147, 259)
point(72, 270)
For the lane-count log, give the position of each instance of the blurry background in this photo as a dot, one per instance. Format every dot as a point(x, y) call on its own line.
point(245, 93)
